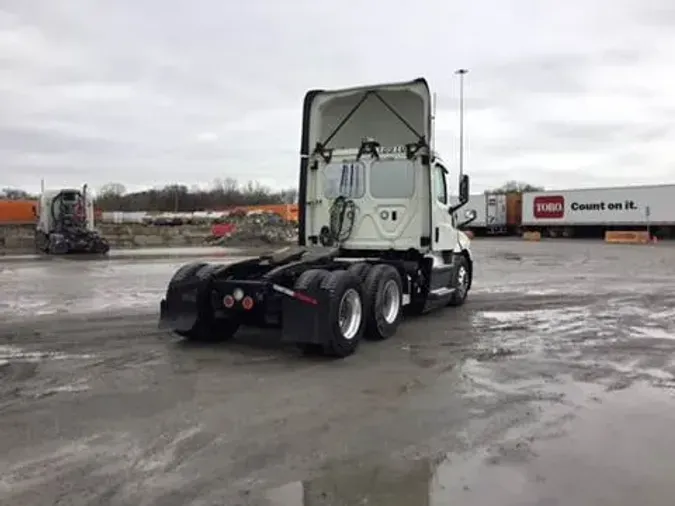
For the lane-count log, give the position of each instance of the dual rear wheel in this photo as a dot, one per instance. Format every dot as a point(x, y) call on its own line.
point(363, 301)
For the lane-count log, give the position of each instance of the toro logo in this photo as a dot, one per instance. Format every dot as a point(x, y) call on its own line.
point(552, 206)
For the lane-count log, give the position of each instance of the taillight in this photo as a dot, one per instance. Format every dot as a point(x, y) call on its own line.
point(247, 303)
point(228, 301)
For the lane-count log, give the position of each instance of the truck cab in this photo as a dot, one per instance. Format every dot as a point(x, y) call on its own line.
point(370, 147)
point(65, 223)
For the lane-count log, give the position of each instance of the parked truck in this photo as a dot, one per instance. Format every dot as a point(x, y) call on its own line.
point(589, 212)
point(377, 233)
point(65, 223)
point(496, 213)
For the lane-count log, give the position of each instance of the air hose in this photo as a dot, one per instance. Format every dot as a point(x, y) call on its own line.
point(63, 215)
point(342, 217)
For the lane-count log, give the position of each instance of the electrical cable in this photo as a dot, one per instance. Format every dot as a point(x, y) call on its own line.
point(66, 218)
point(342, 217)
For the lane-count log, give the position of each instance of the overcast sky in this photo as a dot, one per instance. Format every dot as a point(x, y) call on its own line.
point(147, 92)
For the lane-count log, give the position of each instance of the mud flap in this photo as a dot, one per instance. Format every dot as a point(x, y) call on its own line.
point(180, 310)
point(302, 322)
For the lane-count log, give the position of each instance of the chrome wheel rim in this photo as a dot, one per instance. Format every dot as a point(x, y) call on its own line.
point(391, 304)
point(350, 314)
point(462, 280)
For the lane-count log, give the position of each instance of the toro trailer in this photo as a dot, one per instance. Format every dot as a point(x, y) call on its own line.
point(377, 234)
point(65, 223)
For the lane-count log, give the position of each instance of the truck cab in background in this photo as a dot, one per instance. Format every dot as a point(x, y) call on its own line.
point(65, 223)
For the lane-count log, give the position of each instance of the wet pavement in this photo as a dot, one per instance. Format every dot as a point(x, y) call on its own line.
point(136, 254)
point(553, 385)
point(129, 281)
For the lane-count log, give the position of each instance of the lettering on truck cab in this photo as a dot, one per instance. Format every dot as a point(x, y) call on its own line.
point(549, 207)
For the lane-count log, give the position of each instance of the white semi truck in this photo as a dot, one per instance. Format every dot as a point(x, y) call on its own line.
point(66, 224)
point(377, 233)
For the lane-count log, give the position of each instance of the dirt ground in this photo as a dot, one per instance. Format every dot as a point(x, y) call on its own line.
point(553, 385)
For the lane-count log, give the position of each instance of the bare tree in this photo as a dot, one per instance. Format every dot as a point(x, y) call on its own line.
point(516, 187)
point(112, 190)
point(289, 196)
point(224, 194)
point(15, 194)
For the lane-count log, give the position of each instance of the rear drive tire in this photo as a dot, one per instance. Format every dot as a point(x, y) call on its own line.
point(383, 298)
point(360, 269)
point(185, 271)
point(310, 283)
point(461, 282)
point(345, 318)
point(57, 247)
point(102, 246)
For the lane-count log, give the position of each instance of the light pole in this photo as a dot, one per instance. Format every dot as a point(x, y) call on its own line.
point(461, 73)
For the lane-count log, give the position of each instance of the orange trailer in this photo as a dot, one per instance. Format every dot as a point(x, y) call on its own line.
point(18, 212)
point(514, 211)
point(288, 212)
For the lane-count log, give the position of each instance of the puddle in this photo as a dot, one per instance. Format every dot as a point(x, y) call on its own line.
point(16, 354)
point(616, 450)
point(397, 484)
point(26, 306)
point(72, 388)
point(534, 315)
point(533, 330)
point(74, 287)
point(652, 333)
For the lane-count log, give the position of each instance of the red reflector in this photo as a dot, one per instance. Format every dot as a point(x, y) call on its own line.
point(247, 303)
point(305, 298)
point(228, 301)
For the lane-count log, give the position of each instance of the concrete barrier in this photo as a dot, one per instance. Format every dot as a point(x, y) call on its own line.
point(627, 237)
point(131, 236)
point(532, 236)
point(16, 239)
point(20, 239)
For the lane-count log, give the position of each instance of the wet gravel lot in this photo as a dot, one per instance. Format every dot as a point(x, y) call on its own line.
point(553, 385)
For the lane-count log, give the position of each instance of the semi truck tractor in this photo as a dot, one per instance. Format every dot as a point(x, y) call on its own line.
point(378, 234)
point(65, 223)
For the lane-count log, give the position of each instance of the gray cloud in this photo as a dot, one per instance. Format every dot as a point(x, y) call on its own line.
point(593, 134)
point(162, 91)
point(55, 141)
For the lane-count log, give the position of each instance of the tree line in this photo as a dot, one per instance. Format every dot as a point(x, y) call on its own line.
point(222, 194)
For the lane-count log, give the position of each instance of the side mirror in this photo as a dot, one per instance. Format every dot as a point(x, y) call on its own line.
point(469, 216)
point(464, 189)
point(463, 194)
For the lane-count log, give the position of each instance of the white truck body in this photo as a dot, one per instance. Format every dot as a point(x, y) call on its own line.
point(391, 192)
point(625, 206)
point(44, 209)
point(491, 210)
